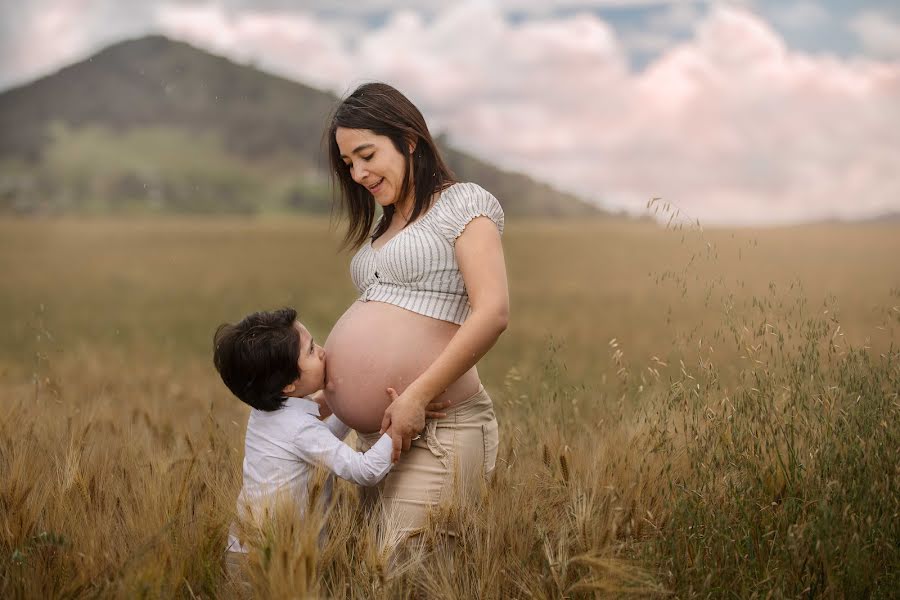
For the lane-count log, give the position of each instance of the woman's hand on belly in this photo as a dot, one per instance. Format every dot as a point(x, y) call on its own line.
point(435, 410)
point(403, 420)
point(394, 417)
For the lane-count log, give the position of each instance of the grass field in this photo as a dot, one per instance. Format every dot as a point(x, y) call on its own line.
point(683, 412)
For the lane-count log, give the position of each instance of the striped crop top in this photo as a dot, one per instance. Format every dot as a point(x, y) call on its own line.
point(416, 269)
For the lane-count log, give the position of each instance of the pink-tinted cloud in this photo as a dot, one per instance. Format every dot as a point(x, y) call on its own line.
point(730, 125)
point(756, 133)
point(879, 34)
point(292, 44)
point(52, 41)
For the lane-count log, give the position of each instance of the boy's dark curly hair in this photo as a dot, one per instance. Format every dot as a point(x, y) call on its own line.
point(257, 357)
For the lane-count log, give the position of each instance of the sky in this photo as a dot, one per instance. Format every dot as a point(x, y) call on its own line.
point(737, 112)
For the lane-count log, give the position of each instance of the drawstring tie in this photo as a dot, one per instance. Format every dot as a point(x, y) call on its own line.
point(434, 445)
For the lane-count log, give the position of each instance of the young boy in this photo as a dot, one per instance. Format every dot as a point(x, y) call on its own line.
point(270, 361)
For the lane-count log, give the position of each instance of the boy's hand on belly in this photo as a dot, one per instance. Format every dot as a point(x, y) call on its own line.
point(403, 420)
point(324, 409)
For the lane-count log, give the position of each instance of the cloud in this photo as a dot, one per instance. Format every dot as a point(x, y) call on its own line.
point(39, 36)
point(288, 43)
point(676, 16)
point(733, 127)
point(52, 40)
point(662, 29)
point(878, 34)
point(800, 14)
point(730, 124)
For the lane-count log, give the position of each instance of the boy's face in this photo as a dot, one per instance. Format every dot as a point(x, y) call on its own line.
point(311, 364)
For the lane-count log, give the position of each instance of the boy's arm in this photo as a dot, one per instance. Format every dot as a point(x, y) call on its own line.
point(337, 427)
point(317, 445)
point(340, 430)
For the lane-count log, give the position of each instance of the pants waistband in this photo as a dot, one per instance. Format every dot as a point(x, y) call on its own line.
point(481, 396)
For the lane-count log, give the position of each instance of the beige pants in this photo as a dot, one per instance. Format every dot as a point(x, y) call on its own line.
point(447, 464)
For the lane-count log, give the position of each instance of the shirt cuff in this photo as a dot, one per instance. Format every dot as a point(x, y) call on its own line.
point(383, 447)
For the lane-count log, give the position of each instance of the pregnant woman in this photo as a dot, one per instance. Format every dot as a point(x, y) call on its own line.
point(433, 300)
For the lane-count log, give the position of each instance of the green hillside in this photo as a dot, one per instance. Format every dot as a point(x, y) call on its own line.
point(155, 125)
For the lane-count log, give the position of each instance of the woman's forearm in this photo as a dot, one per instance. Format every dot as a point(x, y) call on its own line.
point(471, 341)
point(479, 254)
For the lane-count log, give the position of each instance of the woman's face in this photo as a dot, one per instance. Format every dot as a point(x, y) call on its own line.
point(374, 163)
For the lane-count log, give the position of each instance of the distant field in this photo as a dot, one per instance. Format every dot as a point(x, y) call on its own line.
point(159, 287)
point(618, 385)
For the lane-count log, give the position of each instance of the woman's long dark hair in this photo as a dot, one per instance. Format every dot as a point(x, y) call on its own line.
point(383, 110)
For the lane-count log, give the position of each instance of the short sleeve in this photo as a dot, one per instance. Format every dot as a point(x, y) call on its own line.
point(465, 202)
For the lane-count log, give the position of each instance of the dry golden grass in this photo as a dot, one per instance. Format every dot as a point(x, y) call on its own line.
point(682, 412)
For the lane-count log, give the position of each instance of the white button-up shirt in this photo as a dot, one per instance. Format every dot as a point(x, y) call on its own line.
point(283, 447)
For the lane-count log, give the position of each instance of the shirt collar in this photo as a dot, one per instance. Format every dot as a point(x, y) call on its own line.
point(304, 404)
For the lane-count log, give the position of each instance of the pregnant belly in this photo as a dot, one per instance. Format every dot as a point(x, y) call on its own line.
point(374, 346)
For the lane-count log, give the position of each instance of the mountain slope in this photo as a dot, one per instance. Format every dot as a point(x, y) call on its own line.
point(271, 125)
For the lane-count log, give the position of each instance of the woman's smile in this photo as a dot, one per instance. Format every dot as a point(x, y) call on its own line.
point(377, 186)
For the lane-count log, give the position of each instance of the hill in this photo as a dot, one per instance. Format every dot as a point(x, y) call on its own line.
point(154, 124)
